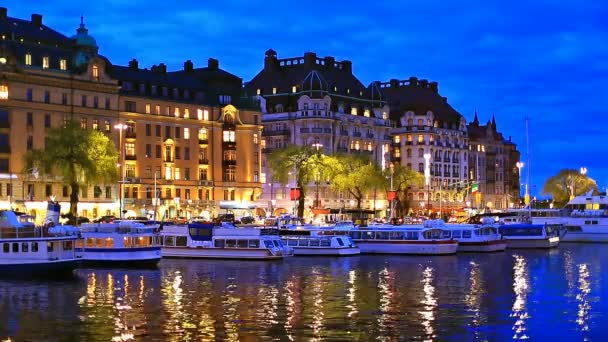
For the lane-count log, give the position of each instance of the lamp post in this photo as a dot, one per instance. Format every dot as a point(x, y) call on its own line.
point(317, 203)
point(120, 127)
point(427, 178)
point(270, 184)
point(519, 165)
point(392, 202)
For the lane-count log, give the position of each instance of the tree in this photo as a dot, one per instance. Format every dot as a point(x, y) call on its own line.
point(567, 184)
point(79, 156)
point(403, 179)
point(355, 174)
point(293, 159)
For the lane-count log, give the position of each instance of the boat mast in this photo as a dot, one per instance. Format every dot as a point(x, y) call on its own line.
point(527, 195)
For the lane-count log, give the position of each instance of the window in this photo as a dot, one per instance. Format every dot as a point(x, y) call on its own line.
point(130, 149)
point(176, 112)
point(147, 108)
point(148, 130)
point(64, 99)
point(63, 64)
point(274, 90)
point(108, 192)
point(420, 153)
point(47, 96)
point(187, 153)
point(131, 106)
point(187, 176)
point(256, 176)
point(168, 174)
point(83, 123)
point(294, 89)
point(177, 175)
point(420, 138)
point(255, 138)
point(29, 95)
point(28, 59)
point(186, 113)
point(30, 142)
point(45, 62)
point(158, 130)
point(47, 120)
point(167, 111)
point(420, 167)
point(229, 174)
point(167, 132)
point(178, 154)
point(157, 151)
point(202, 174)
point(29, 119)
point(95, 72)
point(107, 106)
point(107, 126)
point(178, 132)
point(3, 92)
point(186, 133)
point(157, 109)
point(83, 101)
point(202, 134)
point(229, 136)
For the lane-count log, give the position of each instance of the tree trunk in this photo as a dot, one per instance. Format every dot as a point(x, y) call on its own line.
point(73, 203)
point(301, 201)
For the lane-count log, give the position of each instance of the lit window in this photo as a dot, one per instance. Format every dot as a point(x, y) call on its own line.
point(420, 138)
point(353, 111)
point(157, 109)
point(199, 114)
point(229, 136)
point(259, 91)
point(28, 59)
point(255, 138)
point(186, 113)
point(293, 89)
point(3, 92)
point(409, 138)
point(147, 108)
point(384, 115)
point(366, 113)
point(348, 91)
point(202, 134)
point(168, 172)
point(397, 139)
point(176, 112)
point(63, 64)
point(177, 173)
point(274, 90)
point(186, 133)
point(206, 115)
point(45, 62)
point(263, 144)
point(262, 177)
point(95, 71)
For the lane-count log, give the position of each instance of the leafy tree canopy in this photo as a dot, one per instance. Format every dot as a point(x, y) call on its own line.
point(567, 183)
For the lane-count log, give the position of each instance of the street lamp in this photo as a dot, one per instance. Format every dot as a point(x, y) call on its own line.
point(120, 127)
point(427, 178)
point(318, 146)
point(583, 170)
point(519, 165)
point(271, 200)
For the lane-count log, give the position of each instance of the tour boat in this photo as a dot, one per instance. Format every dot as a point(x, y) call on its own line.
point(482, 237)
point(35, 252)
point(343, 225)
point(528, 235)
point(120, 243)
point(204, 240)
point(315, 242)
point(400, 240)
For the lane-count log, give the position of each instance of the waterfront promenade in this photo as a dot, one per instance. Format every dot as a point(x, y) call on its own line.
point(544, 295)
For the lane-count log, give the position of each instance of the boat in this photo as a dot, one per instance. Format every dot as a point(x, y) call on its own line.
point(483, 237)
point(343, 225)
point(529, 235)
point(315, 242)
point(389, 239)
point(205, 240)
point(28, 251)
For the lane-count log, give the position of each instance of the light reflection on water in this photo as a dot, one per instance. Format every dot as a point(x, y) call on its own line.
point(387, 298)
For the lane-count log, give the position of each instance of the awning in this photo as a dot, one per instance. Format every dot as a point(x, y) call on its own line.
point(320, 211)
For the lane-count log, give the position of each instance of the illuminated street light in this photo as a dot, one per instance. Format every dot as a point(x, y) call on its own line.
point(519, 165)
point(427, 178)
point(318, 146)
point(120, 127)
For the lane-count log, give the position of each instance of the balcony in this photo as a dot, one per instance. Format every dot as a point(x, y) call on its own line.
point(317, 130)
point(357, 134)
point(168, 160)
point(204, 182)
point(229, 162)
point(305, 130)
point(344, 133)
point(269, 133)
point(395, 144)
point(370, 135)
point(203, 161)
point(130, 157)
point(203, 141)
point(130, 134)
point(230, 145)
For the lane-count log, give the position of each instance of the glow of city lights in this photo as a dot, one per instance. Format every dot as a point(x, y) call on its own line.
point(521, 287)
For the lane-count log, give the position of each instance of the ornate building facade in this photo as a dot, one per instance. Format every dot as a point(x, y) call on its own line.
point(314, 101)
point(185, 137)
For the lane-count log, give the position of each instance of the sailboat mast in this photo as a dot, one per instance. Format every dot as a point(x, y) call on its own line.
point(527, 195)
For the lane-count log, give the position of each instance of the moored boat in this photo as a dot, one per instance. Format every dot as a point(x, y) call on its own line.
point(482, 237)
point(315, 242)
point(204, 240)
point(528, 235)
point(28, 251)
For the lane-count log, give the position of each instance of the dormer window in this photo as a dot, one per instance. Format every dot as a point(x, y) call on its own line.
point(353, 111)
point(175, 93)
point(165, 91)
point(45, 62)
point(28, 59)
point(153, 89)
point(274, 90)
point(3, 92)
point(348, 91)
point(142, 88)
point(186, 94)
point(259, 91)
point(95, 72)
point(63, 64)
point(366, 113)
point(294, 89)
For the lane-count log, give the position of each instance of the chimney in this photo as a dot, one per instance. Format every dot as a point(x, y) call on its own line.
point(434, 87)
point(413, 81)
point(161, 68)
point(213, 64)
point(310, 59)
point(37, 20)
point(347, 66)
point(394, 83)
point(3, 13)
point(133, 64)
point(188, 66)
point(445, 99)
point(270, 60)
point(329, 61)
point(424, 83)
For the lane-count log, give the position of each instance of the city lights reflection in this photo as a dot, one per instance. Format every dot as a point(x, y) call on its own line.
point(521, 289)
point(429, 302)
point(582, 297)
point(474, 297)
point(351, 295)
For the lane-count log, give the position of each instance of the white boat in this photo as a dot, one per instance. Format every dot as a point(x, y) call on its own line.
point(120, 243)
point(482, 237)
point(343, 225)
point(199, 240)
point(315, 242)
point(35, 252)
point(528, 235)
point(400, 240)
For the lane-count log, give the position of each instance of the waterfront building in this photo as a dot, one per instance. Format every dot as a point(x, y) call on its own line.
point(429, 136)
point(307, 100)
point(189, 144)
point(493, 165)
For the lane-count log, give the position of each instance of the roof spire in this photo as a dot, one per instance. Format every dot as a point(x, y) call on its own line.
point(493, 120)
point(476, 120)
point(82, 28)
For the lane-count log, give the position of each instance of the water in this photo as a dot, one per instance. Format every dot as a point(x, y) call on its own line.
point(544, 295)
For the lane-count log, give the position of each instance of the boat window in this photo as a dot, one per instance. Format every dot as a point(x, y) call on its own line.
point(446, 234)
point(355, 235)
point(91, 242)
point(412, 235)
point(230, 243)
point(79, 243)
point(68, 245)
point(169, 240)
point(466, 234)
point(15, 247)
point(49, 246)
point(25, 247)
point(303, 242)
point(280, 243)
point(433, 234)
point(521, 231)
point(325, 243)
point(381, 235)
point(34, 246)
point(574, 228)
point(219, 243)
point(268, 244)
point(340, 242)
point(314, 243)
point(396, 235)
point(100, 243)
point(456, 234)
point(254, 243)
point(241, 243)
point(292, 242)
point(6, 248)
point(594, 222)
point(181, 241)
point(126, 241)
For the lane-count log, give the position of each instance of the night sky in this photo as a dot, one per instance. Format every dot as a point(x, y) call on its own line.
point(547, 61)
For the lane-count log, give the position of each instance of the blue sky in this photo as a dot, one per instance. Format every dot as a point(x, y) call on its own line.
point(547, 60)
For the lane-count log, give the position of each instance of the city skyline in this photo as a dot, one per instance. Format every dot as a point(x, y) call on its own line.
point(508, 60)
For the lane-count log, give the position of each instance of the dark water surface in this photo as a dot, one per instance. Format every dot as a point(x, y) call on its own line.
point(542, 295)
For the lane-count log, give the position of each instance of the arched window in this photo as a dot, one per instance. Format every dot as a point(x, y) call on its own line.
point(420, 167)
point(409, 153)
point(420, 153)
point(410, 122)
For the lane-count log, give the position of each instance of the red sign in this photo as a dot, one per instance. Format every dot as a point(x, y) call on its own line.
point(294, 194)
point(391, 195)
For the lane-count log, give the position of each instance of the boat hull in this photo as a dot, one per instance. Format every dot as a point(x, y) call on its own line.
point(482, 246)
point(326, 251)
point(39, 269)
point(585, 237)
point(121, 257)
point(533, 243)
point(407, 247)
point(219, 253)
